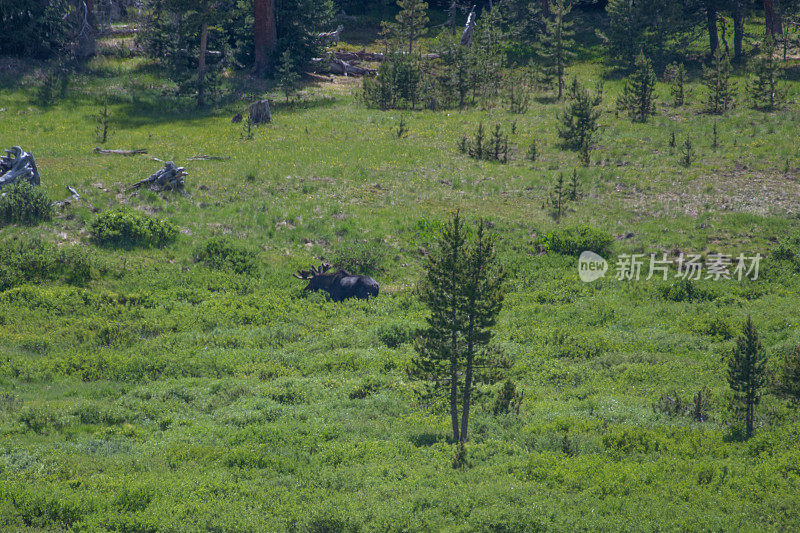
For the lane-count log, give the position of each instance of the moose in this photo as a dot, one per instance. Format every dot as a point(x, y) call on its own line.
point(340, 285)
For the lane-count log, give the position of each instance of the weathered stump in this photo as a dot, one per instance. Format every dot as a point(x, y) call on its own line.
point(469, 29)
point(260, 113)
point(169, 178)
point(16, 165)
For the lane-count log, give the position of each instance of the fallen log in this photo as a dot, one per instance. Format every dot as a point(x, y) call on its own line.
point(120, 152)
point(169, 178)
point(361, 55)
point(342, 68)
point(208, 158)
point(74, 198)
point(16, 165)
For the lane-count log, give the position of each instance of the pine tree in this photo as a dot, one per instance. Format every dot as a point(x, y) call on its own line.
point(687, 152)
point(789, 376)
point(441, 343)
point(638, 96)
point(477, 149)
point(483, 298)
point(574, 186)
point(288, 78)
point(463, 291)
point(578, 122)
point(717, 77)
point(487, 56)
point(411, 21)
point(746, 374)
point(557, 198)
point(533, 151)
point(103, 128)
point(765, 87)
point(675, 74)
point(555, 48)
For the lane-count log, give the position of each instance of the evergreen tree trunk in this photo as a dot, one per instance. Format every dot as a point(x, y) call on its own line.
point(545, 4)
point(89, 11)
point(201, 65)
point(454, 362)
point(713, 36)
point(454, 395)
point(738, 28)
point(750, 415)
point(769, 16)
point(265, 33)
point(468, 378)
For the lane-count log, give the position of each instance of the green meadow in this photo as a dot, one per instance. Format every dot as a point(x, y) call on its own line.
point(157, 392)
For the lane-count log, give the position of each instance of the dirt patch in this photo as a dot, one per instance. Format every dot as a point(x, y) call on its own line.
point(736, 190)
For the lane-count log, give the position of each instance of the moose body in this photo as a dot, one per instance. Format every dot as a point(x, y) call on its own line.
point(340, 285)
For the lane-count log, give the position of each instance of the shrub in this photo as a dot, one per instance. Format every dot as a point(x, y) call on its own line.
point(129, 228)
point(713, 326)
point(394, 334)
point(367, 387)
point(225, 254)
point(361, 257)
point(53, 88)
point(24, 203)
point(508, 399)
point(573, 241)
point(30, 260)
point(789, 376)
point(685, 290)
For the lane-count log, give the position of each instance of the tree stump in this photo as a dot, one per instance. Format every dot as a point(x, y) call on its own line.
point(18, 164)
point(169, 178)
point(260, 113)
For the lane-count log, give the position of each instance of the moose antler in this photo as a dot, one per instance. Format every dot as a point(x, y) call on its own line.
point(303, 274)
point(313, 271)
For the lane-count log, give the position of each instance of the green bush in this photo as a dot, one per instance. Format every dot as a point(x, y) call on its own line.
point(128, 228)
point(225, 254)
point(30, 260)
point(361, 257)
point(573, 241)
point(22, 203)
point(685, 290)
point(394, 334)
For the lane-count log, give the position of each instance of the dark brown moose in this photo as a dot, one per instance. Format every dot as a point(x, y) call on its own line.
point(341, 284)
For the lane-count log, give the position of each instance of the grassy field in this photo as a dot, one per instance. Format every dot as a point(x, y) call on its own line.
point(165, 395)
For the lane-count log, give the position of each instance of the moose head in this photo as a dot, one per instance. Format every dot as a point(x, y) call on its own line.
point(340, 285)
point(317, 278)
